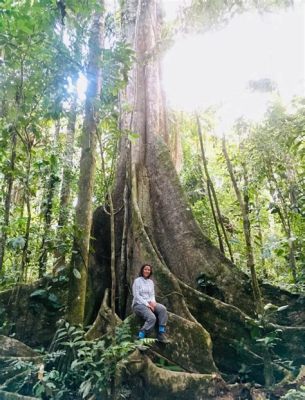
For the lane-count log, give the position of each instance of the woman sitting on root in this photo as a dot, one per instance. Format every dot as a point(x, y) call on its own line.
point(145, 306)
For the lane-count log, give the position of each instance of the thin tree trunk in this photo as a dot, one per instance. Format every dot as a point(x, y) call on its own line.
point(47, 223)
point(65, 194)
point(113, 274)
point(213, 197)
point(10, 175)
point(47, 209)
point(83, 213)
point(8, 199)
point(285, 220)
point(122, 294)
point(25, 253)
point(209, 187)
point(261, 241)
point(244, 207)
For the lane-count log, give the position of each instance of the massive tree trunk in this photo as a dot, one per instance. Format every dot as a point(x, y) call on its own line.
point(156, 192)
point(155, 225)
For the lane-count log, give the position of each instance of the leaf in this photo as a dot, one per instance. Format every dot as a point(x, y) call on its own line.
point(39, 293)
point(24, 26)
point(74, 364)
point(282, 308)
point(279, 252)
point(133, 136)
point(16, 243)
point(76, 273)
point(269, 306)
point(54, 301)
point(85, 388)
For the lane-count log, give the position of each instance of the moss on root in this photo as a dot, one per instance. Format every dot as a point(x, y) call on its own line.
point(149, 382)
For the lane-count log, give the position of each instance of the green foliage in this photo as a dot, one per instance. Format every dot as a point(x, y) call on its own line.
point(192, 176)
point(78, 369)
point(47, 298)
point(42, 60)
point(295, 394)
point(267, 336)
point(273, 154)
point(202, 15)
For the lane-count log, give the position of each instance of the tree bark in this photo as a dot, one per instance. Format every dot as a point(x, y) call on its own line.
point(162, 229)
point(213, 197)
point(27, 198)
point(261, 239)
point(10, 175)
point(83, 213)
point(47, 210)
point(8, 199)
point(113, 274)
point(285, 220)
point(176, 146)
point(65, 193)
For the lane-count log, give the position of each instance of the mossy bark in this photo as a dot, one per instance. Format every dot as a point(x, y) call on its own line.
point(83, 213)
point(189, 347)
point(13, 348)
point(30, 312)
point(147, 381)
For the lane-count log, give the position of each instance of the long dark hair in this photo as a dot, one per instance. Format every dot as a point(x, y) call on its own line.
point(142, 268)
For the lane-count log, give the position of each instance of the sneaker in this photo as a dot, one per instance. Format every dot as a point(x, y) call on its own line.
point(162, 338)
point(141, 335)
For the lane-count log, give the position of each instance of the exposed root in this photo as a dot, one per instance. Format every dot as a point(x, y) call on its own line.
point(14, 348)
point(151, 382)
point(190, 345)
point(102, 323)
point(14, 379)
point(14, 396)
point(6, 359)
point(234, 336)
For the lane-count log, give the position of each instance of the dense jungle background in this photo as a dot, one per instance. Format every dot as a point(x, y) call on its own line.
point(100, 174)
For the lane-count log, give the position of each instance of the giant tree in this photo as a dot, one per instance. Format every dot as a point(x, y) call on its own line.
point(161, 228)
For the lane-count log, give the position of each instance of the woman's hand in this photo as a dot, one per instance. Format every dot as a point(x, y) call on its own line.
point(152, 305)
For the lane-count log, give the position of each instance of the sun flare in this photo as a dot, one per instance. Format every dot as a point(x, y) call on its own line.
point(215, 68)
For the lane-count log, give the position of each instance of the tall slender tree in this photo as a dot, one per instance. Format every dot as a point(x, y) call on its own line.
point(83, 212)
point(243, 202)
point(8, 197)
point(213, 198)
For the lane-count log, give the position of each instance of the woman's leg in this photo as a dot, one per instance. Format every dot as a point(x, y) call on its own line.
point(161, 313)
point(149, 317)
